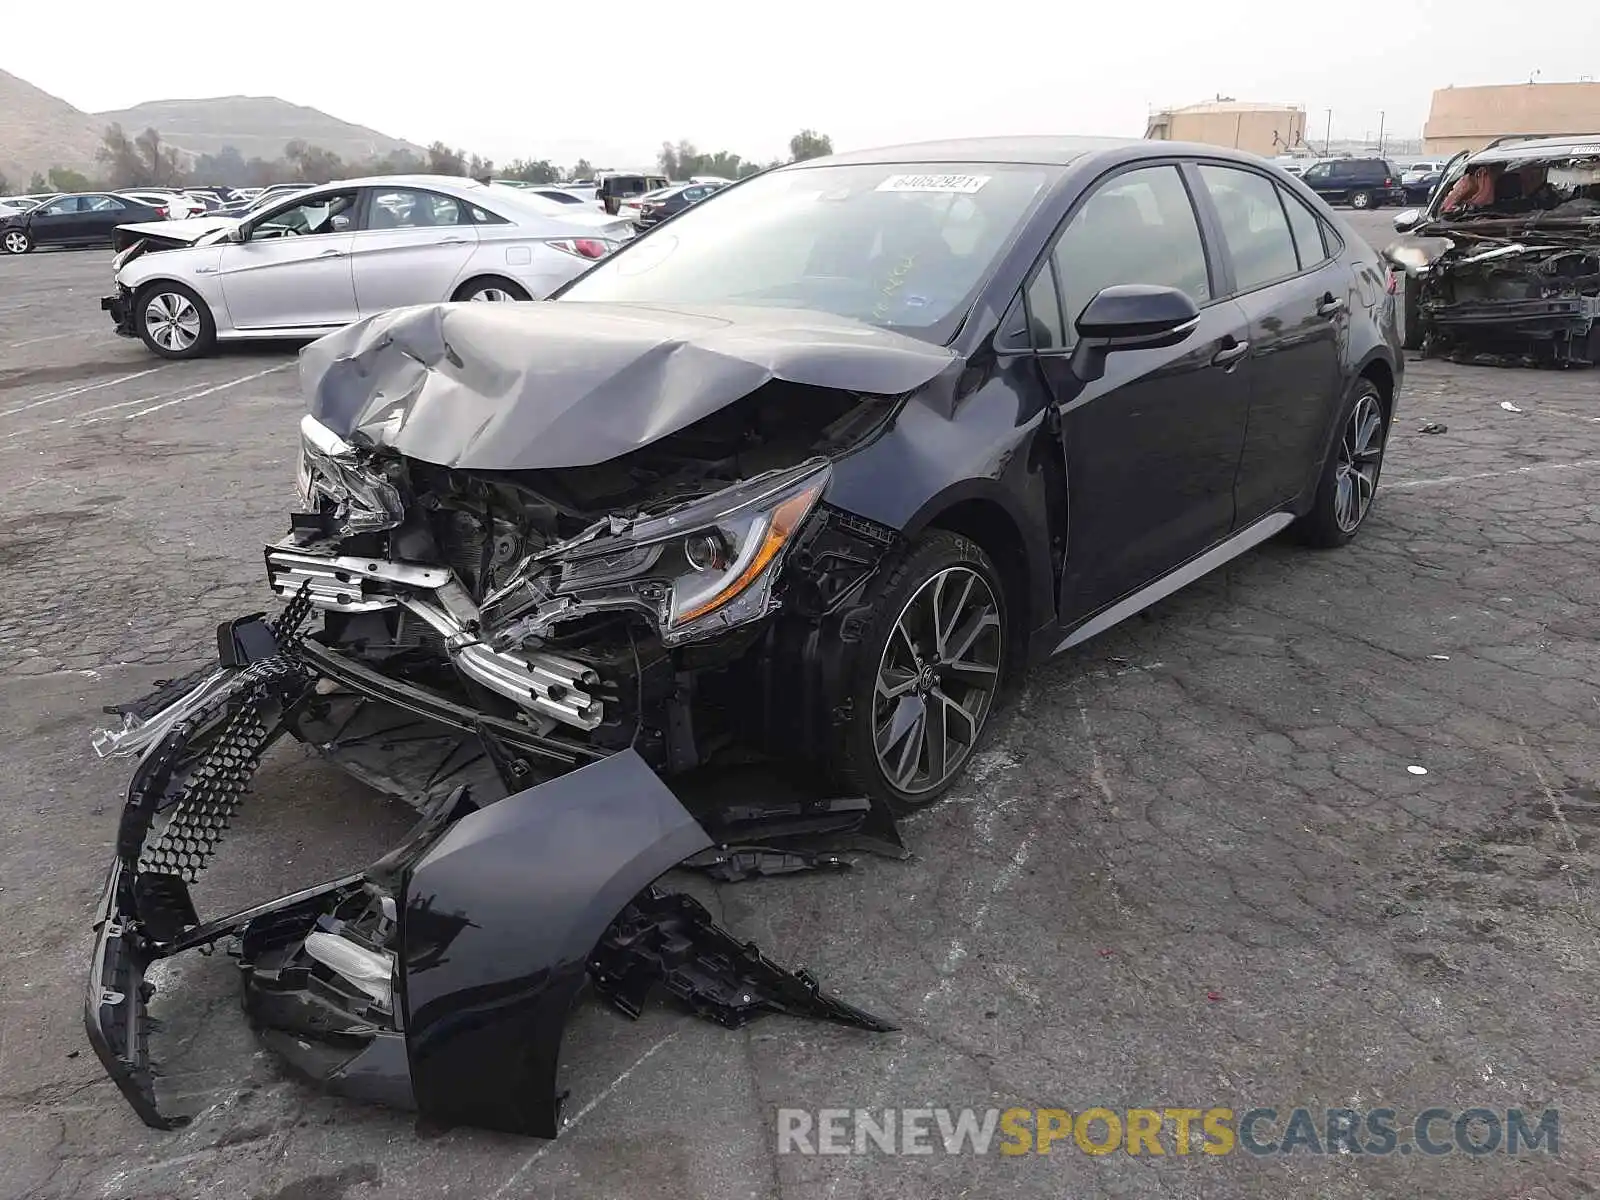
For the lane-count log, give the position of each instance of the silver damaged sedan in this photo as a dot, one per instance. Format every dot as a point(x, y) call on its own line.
point(329, 255)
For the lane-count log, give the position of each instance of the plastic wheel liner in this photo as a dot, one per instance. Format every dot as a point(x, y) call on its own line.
point(440, 977)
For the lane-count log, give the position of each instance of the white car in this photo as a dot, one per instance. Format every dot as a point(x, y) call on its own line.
point(178, 207)
point(329, 255)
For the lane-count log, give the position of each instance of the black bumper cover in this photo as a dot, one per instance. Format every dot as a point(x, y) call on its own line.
point(501, 913)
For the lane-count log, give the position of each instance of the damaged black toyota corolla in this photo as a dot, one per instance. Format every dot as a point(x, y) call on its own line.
point(721, 560)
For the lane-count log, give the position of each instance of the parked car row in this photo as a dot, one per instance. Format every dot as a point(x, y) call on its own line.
point(300, 265)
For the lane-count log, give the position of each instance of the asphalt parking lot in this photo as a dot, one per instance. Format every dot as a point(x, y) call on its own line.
point(1194, 867)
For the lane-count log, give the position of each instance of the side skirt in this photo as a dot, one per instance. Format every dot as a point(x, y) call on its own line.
point(1223, 552)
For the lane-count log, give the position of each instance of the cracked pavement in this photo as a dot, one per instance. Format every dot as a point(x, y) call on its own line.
point(1191, 868)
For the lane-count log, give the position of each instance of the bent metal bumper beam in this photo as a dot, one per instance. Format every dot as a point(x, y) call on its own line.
point(491, 917)
point(546, 683)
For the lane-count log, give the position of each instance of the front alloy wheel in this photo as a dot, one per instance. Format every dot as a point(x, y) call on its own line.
point(173, 321)
point(936, 680)
point(17, 242)
point(931, 664)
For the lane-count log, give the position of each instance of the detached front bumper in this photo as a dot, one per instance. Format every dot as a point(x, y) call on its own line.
point(439, 978)
point(120, 306)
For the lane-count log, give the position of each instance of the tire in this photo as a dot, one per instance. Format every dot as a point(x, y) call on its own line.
point(948, 571)
point(491, 288)
point(1350, 474)
point(16, 241)
point(1361, 200)
point(173, 321)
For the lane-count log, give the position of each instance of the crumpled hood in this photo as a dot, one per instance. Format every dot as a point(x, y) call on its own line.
point(190, 230)
point(570, 384)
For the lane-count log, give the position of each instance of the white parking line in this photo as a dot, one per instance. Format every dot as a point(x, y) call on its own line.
point(77, 391)
point(150, 404)
point(165, 403)
point(1446, 480)
point(51, 337)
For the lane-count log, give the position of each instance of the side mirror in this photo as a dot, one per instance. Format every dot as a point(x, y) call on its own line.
point(1407, 220)
point(239, 233)
point(1130, 316)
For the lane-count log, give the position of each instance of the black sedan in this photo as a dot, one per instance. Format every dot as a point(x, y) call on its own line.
point(658, 206)
point(73, 219)
point(732, 545)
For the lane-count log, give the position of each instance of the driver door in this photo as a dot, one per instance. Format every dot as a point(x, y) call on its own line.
point(56, 222)
point(293, 270)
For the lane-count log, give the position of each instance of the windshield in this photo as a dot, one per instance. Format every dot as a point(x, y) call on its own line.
point(905, 246)
point(1554, 187)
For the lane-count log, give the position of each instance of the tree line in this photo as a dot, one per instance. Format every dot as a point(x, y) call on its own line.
point(147, 160)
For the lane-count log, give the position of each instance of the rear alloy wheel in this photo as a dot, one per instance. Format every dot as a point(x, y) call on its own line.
point(492, 291)
point(930, 670)
point(173, 321)
point(1361, 200)
point(17, 241)
point(1349, 482)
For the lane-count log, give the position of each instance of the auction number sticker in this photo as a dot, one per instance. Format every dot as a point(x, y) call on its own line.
point(960, 184)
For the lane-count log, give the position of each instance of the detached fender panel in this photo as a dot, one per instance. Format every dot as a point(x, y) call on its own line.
point(499, 920)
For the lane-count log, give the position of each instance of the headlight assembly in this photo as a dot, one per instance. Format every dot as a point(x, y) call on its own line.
point(329, 469)
point(707, 566)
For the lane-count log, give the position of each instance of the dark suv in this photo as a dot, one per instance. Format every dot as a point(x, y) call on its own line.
point(614, 189)
point(1358, 182)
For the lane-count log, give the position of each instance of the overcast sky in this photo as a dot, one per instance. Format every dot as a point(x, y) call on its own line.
point(613, 81)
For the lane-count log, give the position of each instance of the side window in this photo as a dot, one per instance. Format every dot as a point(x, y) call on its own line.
point(63, 206)
point(480, 216)
point(1317, 173)
point(104, 204)
point(406, 208)
point(1253, 225)
point(330, 212)
point(1045, 328)
point(1138, 227)
point(1307, 231)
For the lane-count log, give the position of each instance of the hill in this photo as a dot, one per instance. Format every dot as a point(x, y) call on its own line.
point(39, 131)
point(255, 126)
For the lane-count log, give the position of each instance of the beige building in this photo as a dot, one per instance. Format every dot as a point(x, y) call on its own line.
point(1469, 118)
point(1264, 129)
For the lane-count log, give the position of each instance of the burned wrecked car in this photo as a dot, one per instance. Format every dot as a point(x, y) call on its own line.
point(1503, 266)
point(720, 560)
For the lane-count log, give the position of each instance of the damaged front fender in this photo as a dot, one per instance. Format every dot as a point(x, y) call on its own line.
point(500, 918)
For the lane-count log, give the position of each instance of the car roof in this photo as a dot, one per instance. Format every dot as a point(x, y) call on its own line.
point(1571, 146)
point(1046, 150)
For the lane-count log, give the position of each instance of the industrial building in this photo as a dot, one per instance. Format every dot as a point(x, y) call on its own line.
point(1469, 118)
point(1264, 129)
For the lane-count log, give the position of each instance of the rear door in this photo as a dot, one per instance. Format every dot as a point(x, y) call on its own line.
point(294, 270)
point(411, 248)
point(1297, 299)
point(99, 215)
point(1152, 447)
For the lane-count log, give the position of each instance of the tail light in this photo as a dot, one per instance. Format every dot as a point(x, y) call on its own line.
point(161, 212)
point(1387, 182)
point(582, 247)
point(1394, 282)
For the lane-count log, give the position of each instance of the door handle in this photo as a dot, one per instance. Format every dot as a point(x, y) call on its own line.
point(1228, 355)
point(451, 241)
point(1330, 305)
point(331, 254)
